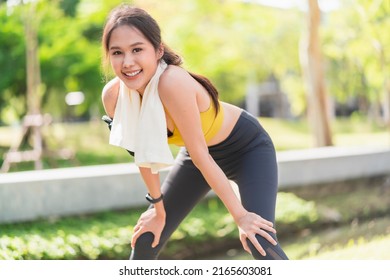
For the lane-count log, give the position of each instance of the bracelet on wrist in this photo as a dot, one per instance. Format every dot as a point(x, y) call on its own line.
point(153, 200)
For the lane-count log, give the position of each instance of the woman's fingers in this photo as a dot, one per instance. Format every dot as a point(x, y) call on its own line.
point(267, 236)
point(135, 236)
point(136, 228)
point(264, 226)
point(156, 240)
point(252, 224)
point(255, 225)
point(266, 222)
point(138, 232)
point(257, 245)
point(245, 243)
point(148, 222)
point(255, 242)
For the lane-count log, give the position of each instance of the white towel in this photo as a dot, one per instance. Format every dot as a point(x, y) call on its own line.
point(141, 126)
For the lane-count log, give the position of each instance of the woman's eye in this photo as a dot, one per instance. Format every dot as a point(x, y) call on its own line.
point(116, 53)
point(137, 50)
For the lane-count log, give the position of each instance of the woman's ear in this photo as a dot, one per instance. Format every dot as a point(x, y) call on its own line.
point(161, 51)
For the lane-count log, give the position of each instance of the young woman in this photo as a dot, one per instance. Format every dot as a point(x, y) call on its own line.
point(220, 142)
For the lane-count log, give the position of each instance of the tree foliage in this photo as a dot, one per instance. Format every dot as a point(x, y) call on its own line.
point(69, 54)
point(356, 45)
point(232, 42)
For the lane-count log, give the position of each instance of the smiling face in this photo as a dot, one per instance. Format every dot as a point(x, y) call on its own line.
point(133, 58)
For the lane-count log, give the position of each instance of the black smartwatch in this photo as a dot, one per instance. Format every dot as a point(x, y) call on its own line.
point(153, 200)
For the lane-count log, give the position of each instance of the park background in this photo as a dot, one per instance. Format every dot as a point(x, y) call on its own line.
point(242, 46)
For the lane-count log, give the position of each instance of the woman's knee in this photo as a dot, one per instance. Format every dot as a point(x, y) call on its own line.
point(273, 252)
point(143, 249)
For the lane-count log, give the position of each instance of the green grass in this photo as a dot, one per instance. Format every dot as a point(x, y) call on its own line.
point(349, 241)
point(288, 135)
point(354, 218)
point(363, 241)
point(377, 249)
point(88, 142)
point(107, 235)
point(309, 224)
point(351, 221)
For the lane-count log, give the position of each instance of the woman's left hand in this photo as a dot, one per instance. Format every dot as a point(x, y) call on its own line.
point(251, 224)
point(150, 221)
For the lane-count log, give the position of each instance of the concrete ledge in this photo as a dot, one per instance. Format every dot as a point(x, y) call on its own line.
point(331, 164)
point(68, 191)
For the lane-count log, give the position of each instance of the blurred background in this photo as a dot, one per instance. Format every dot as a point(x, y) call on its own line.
point(316, 73)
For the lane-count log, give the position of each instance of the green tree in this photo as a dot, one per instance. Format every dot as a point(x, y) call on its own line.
point(12, 61)
point(69, 54)
point(231, 42)
point(356, 45)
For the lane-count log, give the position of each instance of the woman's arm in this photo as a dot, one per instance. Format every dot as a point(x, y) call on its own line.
point(110, 96)
point(178, 93)
point(152, 182)
point(180, 100)
point(153, 220)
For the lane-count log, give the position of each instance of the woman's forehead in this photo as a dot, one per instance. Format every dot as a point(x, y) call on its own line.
point(126, 35)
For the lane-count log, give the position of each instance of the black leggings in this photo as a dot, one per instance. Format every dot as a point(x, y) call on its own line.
point(247, 157)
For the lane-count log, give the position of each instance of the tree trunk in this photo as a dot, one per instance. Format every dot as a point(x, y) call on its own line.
point(33, 79)
point(386, 102)
point(386, 85)
point(311, 60)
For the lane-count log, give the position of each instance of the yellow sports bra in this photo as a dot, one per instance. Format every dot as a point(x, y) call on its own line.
point(211, 124)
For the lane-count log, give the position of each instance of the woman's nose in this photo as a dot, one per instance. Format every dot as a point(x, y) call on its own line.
point(128, 61)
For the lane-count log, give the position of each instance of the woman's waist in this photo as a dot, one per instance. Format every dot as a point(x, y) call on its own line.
point(246, 135)
point(231, 116)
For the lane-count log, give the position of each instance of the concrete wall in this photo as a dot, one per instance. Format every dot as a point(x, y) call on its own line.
point(331, 164)
point(68, 191)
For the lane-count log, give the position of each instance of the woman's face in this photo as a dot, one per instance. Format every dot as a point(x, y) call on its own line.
point(133, 58)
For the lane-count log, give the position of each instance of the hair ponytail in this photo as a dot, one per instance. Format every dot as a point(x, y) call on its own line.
point(213, 92)
point(170, 57)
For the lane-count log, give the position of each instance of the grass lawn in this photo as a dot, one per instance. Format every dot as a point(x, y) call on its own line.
point(366, 241)
point(288, 135)
point(346, 222)
point(373, 250)
point(360, 227)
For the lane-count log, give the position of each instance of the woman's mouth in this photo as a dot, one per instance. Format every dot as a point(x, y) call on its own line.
point(132, 74)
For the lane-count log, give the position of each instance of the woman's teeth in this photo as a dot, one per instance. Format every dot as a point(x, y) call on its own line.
point(132, 74)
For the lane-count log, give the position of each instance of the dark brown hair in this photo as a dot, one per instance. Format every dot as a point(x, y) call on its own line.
point(140, 19)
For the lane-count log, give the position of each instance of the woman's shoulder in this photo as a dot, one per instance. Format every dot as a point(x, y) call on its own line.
point(175, 79)
point(111, 89)
point(174, 72)
point(110, 95)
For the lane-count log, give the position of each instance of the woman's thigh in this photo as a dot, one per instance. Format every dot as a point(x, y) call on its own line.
point(257, 180)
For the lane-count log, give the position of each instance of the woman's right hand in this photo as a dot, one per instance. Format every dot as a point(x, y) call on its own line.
point(251, 224)
point(149, 221)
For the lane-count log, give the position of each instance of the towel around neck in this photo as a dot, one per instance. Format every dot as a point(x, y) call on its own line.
point(140, 125)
